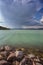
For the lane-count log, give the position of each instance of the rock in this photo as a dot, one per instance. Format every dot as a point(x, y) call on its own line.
point(2, 48)
point(7, 48)
point(31, 55)
point(38, 63)
point(11, 57)
point(19, 53)
point(14, 63)
point(4, 54)
point(1, 57)
point(3, 62)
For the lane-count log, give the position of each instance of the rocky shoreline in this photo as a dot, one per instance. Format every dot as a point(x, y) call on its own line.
point(18, 56)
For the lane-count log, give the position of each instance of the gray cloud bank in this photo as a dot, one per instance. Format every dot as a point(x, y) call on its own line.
point(18, 12)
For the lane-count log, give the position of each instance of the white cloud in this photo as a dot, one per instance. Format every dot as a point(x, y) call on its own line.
point(41, 20)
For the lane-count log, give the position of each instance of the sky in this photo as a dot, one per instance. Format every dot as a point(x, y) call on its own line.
point(18, 13)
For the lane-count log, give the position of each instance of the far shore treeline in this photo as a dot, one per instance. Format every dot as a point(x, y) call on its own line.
point(5, 28)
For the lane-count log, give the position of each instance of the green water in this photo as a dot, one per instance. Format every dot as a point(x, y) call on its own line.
point(22, 37)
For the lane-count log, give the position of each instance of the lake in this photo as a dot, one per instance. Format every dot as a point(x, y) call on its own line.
point(22, 38)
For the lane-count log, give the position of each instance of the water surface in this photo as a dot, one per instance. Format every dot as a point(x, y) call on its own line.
point(24, 38)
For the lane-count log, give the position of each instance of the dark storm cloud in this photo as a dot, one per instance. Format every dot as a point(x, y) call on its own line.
point(41, 1)
point(17, 13)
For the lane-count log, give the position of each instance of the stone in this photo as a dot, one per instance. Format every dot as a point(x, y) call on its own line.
point(3, 62)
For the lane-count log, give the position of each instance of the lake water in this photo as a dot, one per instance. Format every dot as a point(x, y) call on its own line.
point(22, 38)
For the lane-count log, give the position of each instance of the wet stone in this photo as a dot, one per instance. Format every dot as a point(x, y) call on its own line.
point(8, 48)
point(3, 62)
point(11, 57)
